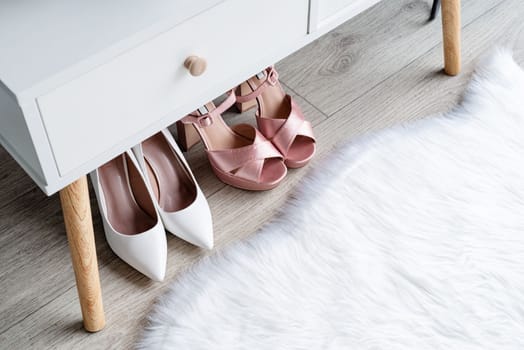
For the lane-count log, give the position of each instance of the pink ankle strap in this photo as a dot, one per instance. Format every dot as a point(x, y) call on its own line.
point(271, 80)
point(203, 120)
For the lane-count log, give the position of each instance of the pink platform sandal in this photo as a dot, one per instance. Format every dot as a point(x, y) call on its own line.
point(278, 117)
point(240, 156)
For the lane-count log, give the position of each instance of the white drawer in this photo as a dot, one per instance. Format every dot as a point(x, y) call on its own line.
point(98, 110)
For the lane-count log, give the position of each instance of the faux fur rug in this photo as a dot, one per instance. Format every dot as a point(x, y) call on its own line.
point(410, 238)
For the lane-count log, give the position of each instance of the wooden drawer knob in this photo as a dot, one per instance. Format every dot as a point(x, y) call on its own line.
point(195, 65)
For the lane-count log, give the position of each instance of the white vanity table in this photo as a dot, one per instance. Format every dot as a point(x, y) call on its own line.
point(82, 81)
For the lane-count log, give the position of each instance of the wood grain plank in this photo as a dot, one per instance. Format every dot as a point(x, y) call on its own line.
point(421, 89)
point(35, 260)
point(361, 53)
point(14, 182)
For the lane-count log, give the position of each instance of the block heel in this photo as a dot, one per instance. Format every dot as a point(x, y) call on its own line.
point(187, 136)
point(241, 90)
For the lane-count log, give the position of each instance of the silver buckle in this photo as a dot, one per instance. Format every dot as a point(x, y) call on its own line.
point(203, 110)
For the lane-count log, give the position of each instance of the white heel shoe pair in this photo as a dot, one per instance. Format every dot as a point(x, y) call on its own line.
point(143, 192)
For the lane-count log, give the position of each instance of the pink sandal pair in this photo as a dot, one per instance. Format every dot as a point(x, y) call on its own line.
point(246, 157)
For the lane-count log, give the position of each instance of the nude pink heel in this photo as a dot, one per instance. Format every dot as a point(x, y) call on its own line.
point(240, 156)
point(278, 117)
point(242, 90)
point(187, 136)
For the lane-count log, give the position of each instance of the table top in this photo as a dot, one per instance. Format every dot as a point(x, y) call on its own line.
point(45, 43)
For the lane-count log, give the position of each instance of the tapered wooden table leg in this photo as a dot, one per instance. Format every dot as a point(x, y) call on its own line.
point(451, 35)
point(79, 226)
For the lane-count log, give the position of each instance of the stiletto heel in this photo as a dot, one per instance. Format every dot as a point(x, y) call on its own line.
point(239, 156)
point(278, 117)
point(187, 136)
point(244, 89)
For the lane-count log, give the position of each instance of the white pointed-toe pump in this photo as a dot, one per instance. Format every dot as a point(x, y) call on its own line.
point(132, 225)
point(182, 205)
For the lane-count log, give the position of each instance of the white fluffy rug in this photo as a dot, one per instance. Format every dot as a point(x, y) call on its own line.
point(411, 238)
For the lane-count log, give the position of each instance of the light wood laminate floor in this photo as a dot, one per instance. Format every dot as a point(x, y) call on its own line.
point(381, 68)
